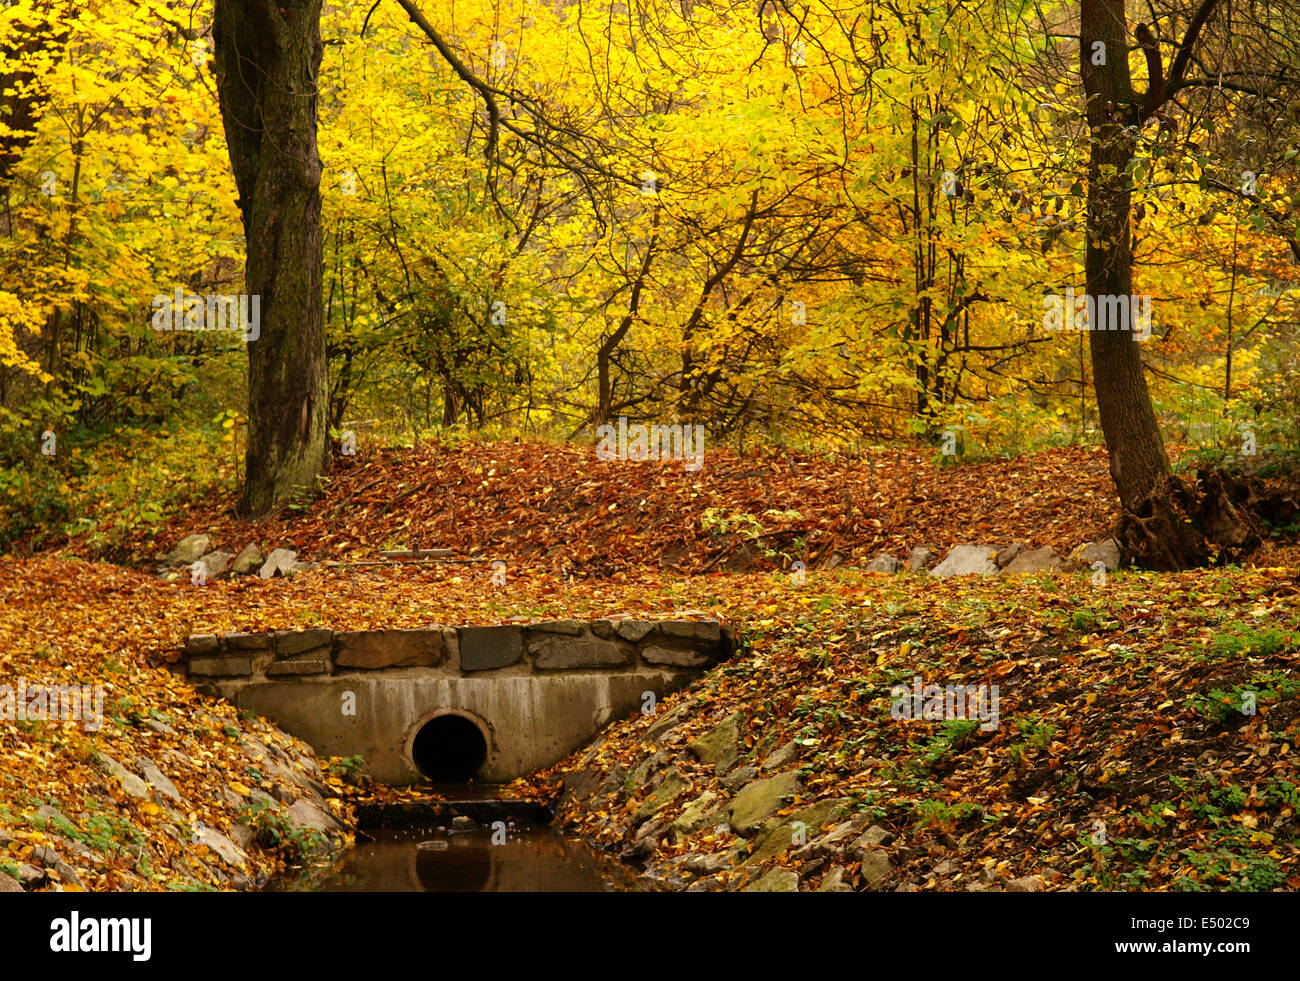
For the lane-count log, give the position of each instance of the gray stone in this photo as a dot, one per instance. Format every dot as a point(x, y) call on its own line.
point(188, 550)
point(1005, 556)
point(291, 642)
point(280, 560)
point(676, 656)
point(740, 776)
point(557, 651)
point(162, 728)
point(9, 884)
point(30, 876)
point(202, 644)
point(697, 814)
point(229, 666)
point(709, 631)
point(761, 799)
point(298, 665)
point(47, 858)
point(304, 813)
point(215, 564)
point(132, 784)
point(710, 863)
point(833, 881)
point(1106, 552)
point(670, 721)
point(884, 562)
point(967, 560)
point(1034, 560)
point(873, 837)
point(876, 867)
point(720, 746)
point(667, 792)
point(389, 648)
point(818, 813)
point(158, 780)
point(571, 628)
point(248, 642)
point(633, 630)
point(48, 812)
point(781, 756)
point(462, 823)
point(776, 880)
point(918, 558)
point(485, 648)
point(226, 850)
point(250, 558)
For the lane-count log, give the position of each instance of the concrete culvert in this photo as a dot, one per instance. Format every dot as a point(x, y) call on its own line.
point(449, 749)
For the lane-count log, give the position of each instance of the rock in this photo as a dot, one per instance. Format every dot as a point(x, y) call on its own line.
point(9, 884)
point(711, 863)
point(781, 756)
point(884, 562)
point(161, 728)
point(697, 814)
point(1029, 883)
point(298, 665)
point(709, 631)
point(202, 644)
point(833, 881)
point(48, 812)
point(291, 642)
point(462, 823)
point(739, 777)
point(670, 721)
point(215, 564)
point(761, 799)
point(918, 558)
point(304, 813)
point(248, 642)
point(676, 656)
point(832, 842)
point(1005, 556)
point(280, 560)
point(570, 628)
point(371, 649)
point(226, 850)
point(875, 867)
point(776, 880)
point(48, 858)
point(132, 784)
point(221, 667)
point(873, 837)
point(633, 630)
point(668, 791)
point(558, 652)
point(250, 558)
point(1106, 552)
point(188, 550)
point(967, 560)
point(486, 648)
point(31, 877)
point(818, 813)
point(158, 780)
point(1034, 560)
point(720, 746)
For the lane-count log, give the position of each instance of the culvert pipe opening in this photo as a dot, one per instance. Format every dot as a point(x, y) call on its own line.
point(449, 749)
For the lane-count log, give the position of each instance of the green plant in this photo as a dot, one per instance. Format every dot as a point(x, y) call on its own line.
point(272, 829)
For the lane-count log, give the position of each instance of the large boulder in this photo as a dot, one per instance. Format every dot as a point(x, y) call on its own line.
point(281, 560)
point(884, 562)
point(1105, 552)
point(761, 799)
point(919, 558)
point(1034, 560)
point(188, 550)
point(968, 560)
point(248, 560)
point(720, 746)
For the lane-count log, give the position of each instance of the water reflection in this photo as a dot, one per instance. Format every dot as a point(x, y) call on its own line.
point(529, 860)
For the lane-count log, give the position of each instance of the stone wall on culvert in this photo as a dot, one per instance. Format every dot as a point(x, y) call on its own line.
point(538, 691)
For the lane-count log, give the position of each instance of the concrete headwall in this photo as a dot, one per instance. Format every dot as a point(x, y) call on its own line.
point(536, 692)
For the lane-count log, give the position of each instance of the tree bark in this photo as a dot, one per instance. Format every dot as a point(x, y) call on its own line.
point(267, 55)
point(1163, 524)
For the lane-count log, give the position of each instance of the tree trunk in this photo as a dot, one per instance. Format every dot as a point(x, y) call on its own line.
point(267, 55)
point(1163, 523)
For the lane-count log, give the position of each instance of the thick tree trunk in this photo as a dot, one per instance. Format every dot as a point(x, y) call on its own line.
point(267, 55)
point(1163, 524)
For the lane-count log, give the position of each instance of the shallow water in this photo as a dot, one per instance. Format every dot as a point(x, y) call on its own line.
point(531, 859)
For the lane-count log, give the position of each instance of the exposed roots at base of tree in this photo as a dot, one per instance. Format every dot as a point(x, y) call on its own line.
point(1217, 520)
